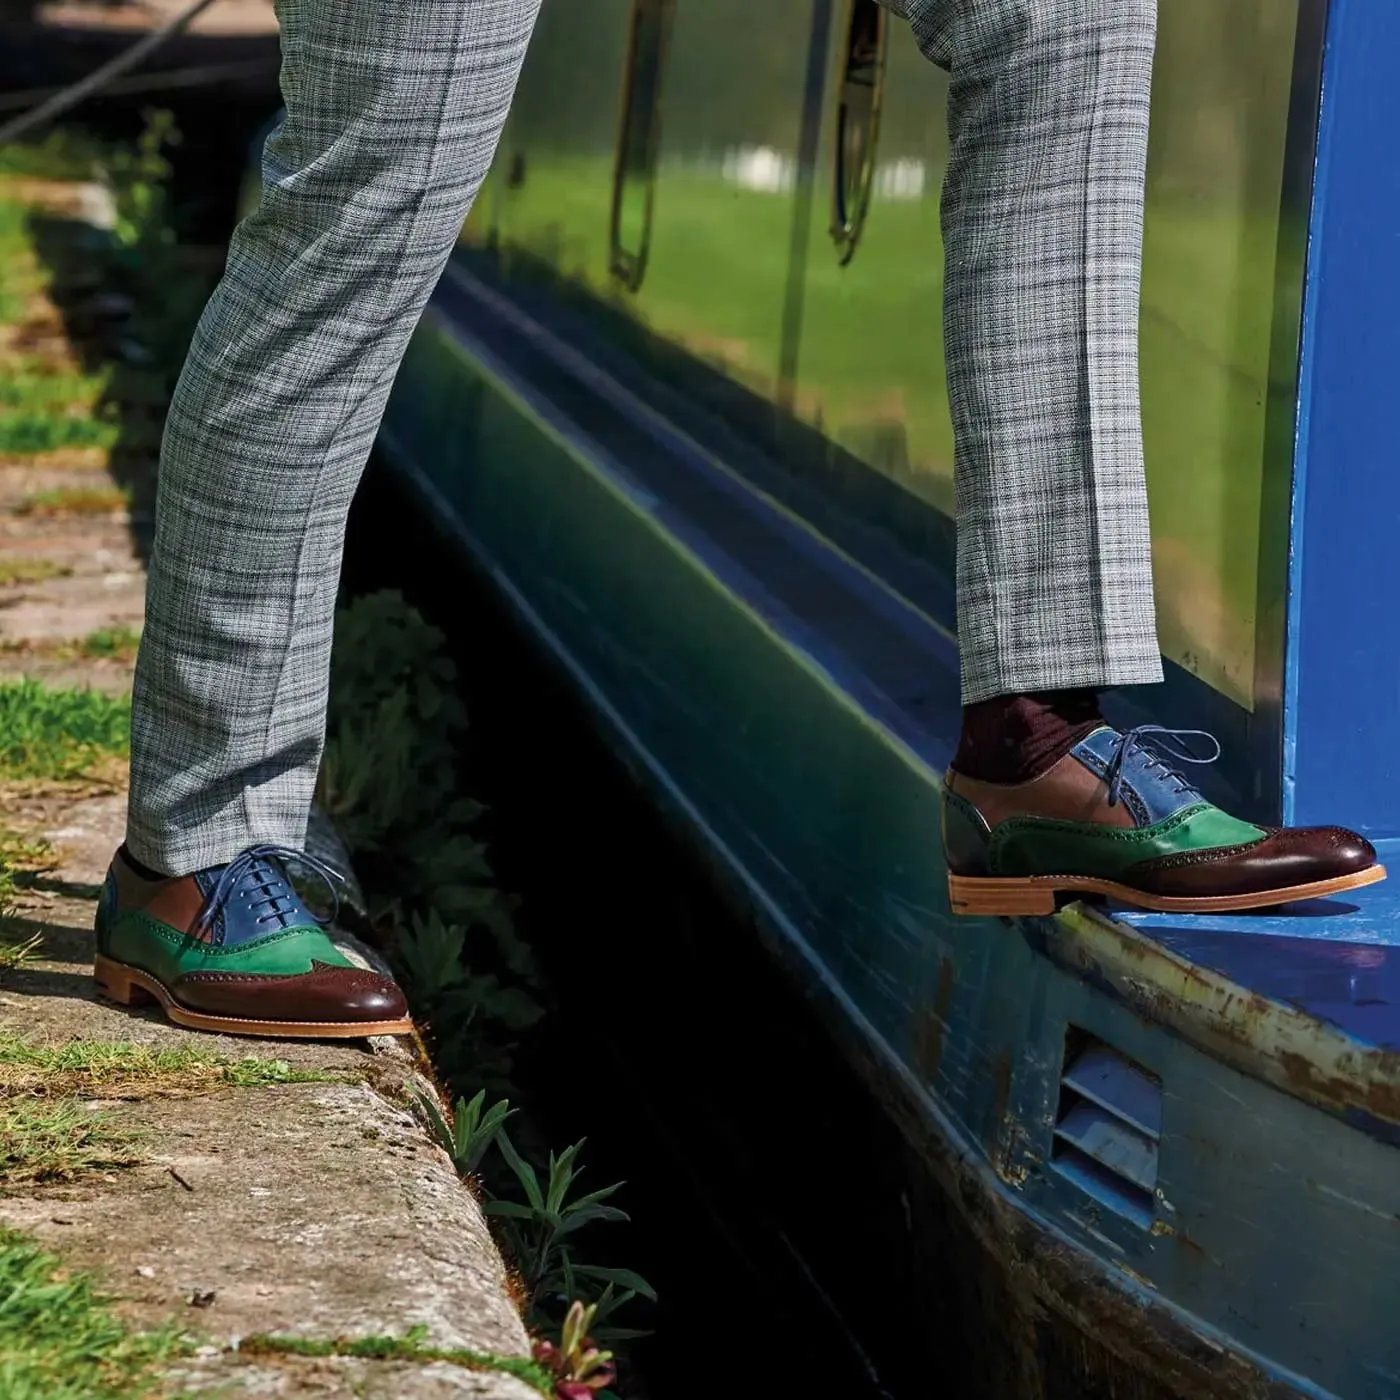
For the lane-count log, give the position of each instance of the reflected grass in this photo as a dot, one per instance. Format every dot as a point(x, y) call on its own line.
point(871, 371)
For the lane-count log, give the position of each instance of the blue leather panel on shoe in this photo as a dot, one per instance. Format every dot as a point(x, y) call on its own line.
point(1150, 790)
point(252, 897)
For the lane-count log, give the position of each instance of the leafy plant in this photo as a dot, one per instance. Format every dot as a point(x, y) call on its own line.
point(578, 1368)
point(137, 178)
point(472, 1131)
point(537, 1232)
point(389, 781)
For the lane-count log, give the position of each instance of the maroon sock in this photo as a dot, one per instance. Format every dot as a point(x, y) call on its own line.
point(1014, 738)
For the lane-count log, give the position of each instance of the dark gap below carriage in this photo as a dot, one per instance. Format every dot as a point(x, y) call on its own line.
point(764, 1185)
point(798, 1243)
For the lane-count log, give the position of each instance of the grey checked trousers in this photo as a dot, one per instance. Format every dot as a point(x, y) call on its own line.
point(393, 112)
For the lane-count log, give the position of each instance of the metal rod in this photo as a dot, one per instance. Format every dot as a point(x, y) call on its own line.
point(95, 81)
point(152, 82)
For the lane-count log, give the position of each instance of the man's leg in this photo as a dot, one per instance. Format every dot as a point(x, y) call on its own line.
point(1042, 226)
point(393, 112)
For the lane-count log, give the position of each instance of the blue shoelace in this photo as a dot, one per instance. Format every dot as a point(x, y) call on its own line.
point(1172, 740)
point(270, 896)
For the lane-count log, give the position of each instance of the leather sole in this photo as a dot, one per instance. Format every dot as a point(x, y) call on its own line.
point(129, 986)
point(1031, 895)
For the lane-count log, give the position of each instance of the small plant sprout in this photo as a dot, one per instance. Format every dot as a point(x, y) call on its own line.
point(580, 1370)
point(470, 1134)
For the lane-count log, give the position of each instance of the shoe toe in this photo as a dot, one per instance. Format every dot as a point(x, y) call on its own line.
point(326, 994)
point(1326, 852)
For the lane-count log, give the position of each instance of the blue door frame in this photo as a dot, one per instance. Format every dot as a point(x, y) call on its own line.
point(1342, 671)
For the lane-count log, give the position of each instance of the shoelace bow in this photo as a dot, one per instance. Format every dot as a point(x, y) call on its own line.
point(1173, 740)
point(274, 896)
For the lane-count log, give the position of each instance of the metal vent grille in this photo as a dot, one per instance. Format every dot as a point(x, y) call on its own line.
point(1108, 1127)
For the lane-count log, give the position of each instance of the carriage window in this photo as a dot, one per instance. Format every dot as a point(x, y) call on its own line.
point(639, 141)
point(858, 122)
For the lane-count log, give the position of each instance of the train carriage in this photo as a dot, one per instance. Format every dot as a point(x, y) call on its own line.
point(681, 395)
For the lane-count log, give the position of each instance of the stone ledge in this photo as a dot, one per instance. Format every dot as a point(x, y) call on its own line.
point(319, 1210)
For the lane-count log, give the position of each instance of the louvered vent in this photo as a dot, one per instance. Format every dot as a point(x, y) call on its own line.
point(1108, 1127)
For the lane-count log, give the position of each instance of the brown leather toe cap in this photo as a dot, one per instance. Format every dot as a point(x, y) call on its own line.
point(1284, 859)
point(325, 994)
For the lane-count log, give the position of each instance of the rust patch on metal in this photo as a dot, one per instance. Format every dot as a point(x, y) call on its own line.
point(1004, 1131)
point(1281, 1044)
point(1378, 1098)
point(1002, 1079)
point(933, 1022)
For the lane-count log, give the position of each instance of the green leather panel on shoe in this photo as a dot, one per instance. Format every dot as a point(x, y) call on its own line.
point(141, 941)
point(1038, 846)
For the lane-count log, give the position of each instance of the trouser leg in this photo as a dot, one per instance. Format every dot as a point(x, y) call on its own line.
point(393, 112)
point(1042, 228)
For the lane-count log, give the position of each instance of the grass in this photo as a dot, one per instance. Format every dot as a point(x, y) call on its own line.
point(116, 643)
point(46, 409)
point(19, 271)
point(64, 154)
point(76, 500)
point(14, 572)
point(118, 1070)
point(30, 432)
point(16, 952)
point(871, 369)
point(407, 1348)
point(55, 1140)
point(62, 1339)
point(17, 854)
point(58, 734)
point(105, 644)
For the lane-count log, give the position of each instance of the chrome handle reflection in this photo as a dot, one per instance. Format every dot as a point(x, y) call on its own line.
point(639, 141)
point(857, 135)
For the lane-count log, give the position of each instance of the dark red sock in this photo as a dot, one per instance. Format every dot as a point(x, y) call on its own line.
point(1014, 738)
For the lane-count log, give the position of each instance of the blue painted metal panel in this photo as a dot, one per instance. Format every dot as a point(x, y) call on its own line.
point(1107, 1079)
point(1105, 1186)
point(1343, 676)
point(1113, 1145)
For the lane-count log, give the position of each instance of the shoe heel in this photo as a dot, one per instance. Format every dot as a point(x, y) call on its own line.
point(1007, 899)
point(116, 983)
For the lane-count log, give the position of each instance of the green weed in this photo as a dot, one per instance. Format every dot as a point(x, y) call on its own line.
point(57, 1140)
point(16, 952)
point(537, 1234)
point(138, 177)
point(61, 1339)
point(471, 1132)
point(65, 153)
point(14, 572)
point(537, 1230)
point(389, 780)
point(58, 733)
point(32, 388)
point(118, 643)
point(409, 1347)
point(50, 432)
point(78, 500)
point(117, 1069)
